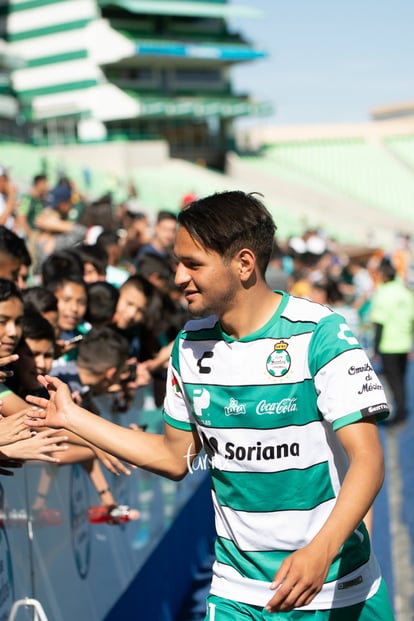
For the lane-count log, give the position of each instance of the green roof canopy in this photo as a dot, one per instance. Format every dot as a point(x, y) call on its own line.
point(183, 7)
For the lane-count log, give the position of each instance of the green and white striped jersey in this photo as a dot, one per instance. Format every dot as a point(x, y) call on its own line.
point(266, 407)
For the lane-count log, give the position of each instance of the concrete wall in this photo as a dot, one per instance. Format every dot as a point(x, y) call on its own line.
point(254, 138)
point(118, 158)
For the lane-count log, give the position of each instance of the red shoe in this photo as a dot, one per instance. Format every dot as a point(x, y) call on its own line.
point(47, 517)
point(114, 514)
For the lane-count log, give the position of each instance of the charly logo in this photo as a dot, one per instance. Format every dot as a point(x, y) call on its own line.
point(204, 368)
point(234, 408)
point(345, 334)
point(279, 361)
point(80, 527)
point(6, 568)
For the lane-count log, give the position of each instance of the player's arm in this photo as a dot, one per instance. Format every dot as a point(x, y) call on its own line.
point(302, 574)
point(168, 454)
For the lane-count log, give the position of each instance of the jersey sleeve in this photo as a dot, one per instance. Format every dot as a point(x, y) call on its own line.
point(177, 409)
point(347, 386)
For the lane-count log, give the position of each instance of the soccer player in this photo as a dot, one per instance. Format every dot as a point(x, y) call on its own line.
point(284, 400)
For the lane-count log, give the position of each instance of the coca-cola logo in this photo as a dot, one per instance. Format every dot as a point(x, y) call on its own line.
point(284, 406)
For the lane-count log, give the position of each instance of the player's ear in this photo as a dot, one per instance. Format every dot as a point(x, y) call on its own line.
point(247, 263)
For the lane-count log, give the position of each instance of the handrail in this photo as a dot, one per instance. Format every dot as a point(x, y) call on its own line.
point(40, 614)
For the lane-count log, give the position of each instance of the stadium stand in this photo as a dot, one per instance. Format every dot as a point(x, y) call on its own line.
point(403, 147)
point(360, 170)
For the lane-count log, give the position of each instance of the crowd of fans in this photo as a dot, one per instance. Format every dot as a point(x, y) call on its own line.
point(87, 294)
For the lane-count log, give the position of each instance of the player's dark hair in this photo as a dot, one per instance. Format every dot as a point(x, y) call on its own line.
point(226, 222)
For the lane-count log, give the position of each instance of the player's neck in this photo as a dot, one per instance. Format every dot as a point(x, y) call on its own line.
point(250, 313)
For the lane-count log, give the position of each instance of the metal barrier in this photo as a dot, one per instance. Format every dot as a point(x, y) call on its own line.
point(56, 565)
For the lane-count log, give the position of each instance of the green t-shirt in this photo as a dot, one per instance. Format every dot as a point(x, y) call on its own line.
point(31, 207)
point(393, 308)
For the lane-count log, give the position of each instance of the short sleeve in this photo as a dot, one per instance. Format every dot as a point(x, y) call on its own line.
point(177, 410)
point(347, 386)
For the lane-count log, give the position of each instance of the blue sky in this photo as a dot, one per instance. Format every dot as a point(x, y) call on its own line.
point(329, 61)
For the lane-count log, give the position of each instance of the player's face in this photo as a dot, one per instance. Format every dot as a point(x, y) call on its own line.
point(11, 320)
point(209, 284)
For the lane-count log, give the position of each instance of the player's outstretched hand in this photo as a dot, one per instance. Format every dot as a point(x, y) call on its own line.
point(50, 412)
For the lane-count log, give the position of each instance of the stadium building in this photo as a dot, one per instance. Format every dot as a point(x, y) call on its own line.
point(129, 70)
point(9, 108)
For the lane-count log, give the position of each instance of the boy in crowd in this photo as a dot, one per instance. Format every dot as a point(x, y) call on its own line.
point(13, 253)
point(100, 363)
point(102, 302)
point(15, 441)
point(72, 297)
point(95, 262)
